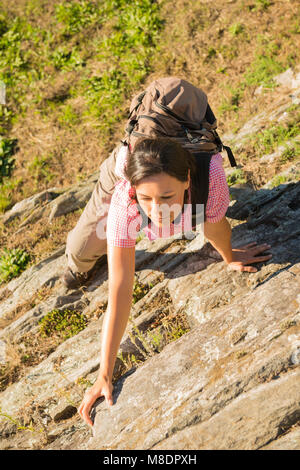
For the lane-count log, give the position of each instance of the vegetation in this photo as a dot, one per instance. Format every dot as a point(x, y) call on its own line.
point(167, 329)
point(139, 290)
point(236, 177)
point(12, 263)
point(7, 147)
point(63, 323)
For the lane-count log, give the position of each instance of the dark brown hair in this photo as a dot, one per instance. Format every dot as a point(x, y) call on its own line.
point(152, 156)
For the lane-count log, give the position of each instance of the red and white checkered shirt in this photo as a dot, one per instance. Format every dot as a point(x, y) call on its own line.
point(124, 219)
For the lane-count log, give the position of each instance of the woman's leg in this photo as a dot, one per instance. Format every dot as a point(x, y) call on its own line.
point(87, 241)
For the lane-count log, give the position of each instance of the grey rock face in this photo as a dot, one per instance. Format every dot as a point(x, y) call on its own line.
point(206, 373)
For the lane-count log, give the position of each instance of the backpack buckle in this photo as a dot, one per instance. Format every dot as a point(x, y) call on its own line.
point(193, 140)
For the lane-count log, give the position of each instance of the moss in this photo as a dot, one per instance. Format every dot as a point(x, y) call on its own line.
point(65, 323)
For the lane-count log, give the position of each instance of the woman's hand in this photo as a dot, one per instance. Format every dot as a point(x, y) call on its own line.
point(246, 254)
point(102, 387)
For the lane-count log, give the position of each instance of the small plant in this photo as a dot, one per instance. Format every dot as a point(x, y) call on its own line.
point(84, 383)
point(7, 149)
point(167, 330)
point(130, 361)
point(236, 177)
point(12, 263)
point(39, 169)
point(140, 290)
point(261, 5)
point(277, 180)
point(77, 15)
point(7, 190)
point(290, 153)
point(20, 427)
point(211, 52)
point(236, 28)
point(64, 59)
point(63, 323)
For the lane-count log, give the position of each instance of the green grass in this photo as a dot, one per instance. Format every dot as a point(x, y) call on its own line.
point(236, 28)
point(123, 37)
point(39, 169)
point(236, 177)
point(261, 72)
point(7, 149)
point(12, 263)
point(290, 153)
point(125, 55)
point(273, 136)
point(284, 179)
point(269, 139)
point(64, 58)
point(277, 180)
point(8, 189)
point(76, 16)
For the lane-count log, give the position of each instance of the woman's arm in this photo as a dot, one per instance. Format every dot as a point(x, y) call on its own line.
point(219, 235)
point(121, 269)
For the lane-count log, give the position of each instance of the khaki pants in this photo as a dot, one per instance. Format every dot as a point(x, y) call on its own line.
point(83, 246)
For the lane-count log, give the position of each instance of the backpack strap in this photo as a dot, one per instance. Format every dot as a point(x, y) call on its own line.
point(210, 118)
point(200, 182)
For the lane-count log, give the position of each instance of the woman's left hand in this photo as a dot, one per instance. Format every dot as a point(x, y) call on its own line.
point(246, 254)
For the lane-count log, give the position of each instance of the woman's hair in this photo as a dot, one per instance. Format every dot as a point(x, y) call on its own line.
point(152, 156)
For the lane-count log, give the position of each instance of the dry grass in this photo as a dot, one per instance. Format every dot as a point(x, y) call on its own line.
point(188, 44)
point(23, 354)
point(41, 238)
point(39, 296)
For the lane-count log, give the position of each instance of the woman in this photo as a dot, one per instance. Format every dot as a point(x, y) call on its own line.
point(155, 181)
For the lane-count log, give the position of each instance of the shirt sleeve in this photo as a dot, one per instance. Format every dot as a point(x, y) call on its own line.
point(218, 195)
point(123, 222)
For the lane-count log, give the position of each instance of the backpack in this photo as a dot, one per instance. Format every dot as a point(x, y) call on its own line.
point(173, 107)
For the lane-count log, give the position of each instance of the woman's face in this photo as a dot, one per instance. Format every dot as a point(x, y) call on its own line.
point(161, 197)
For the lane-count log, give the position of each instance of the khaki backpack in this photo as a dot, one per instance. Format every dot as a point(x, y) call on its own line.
point(173, 107)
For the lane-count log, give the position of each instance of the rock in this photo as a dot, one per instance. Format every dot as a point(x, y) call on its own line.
point(203, 373)
point(46, 272)
point(295, 357)
point(290, 441)
point(249, 422)
point(289, 79)
point(27, 205)
point(70, 201)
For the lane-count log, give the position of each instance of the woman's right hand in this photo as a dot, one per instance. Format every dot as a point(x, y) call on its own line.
point(102, 387)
